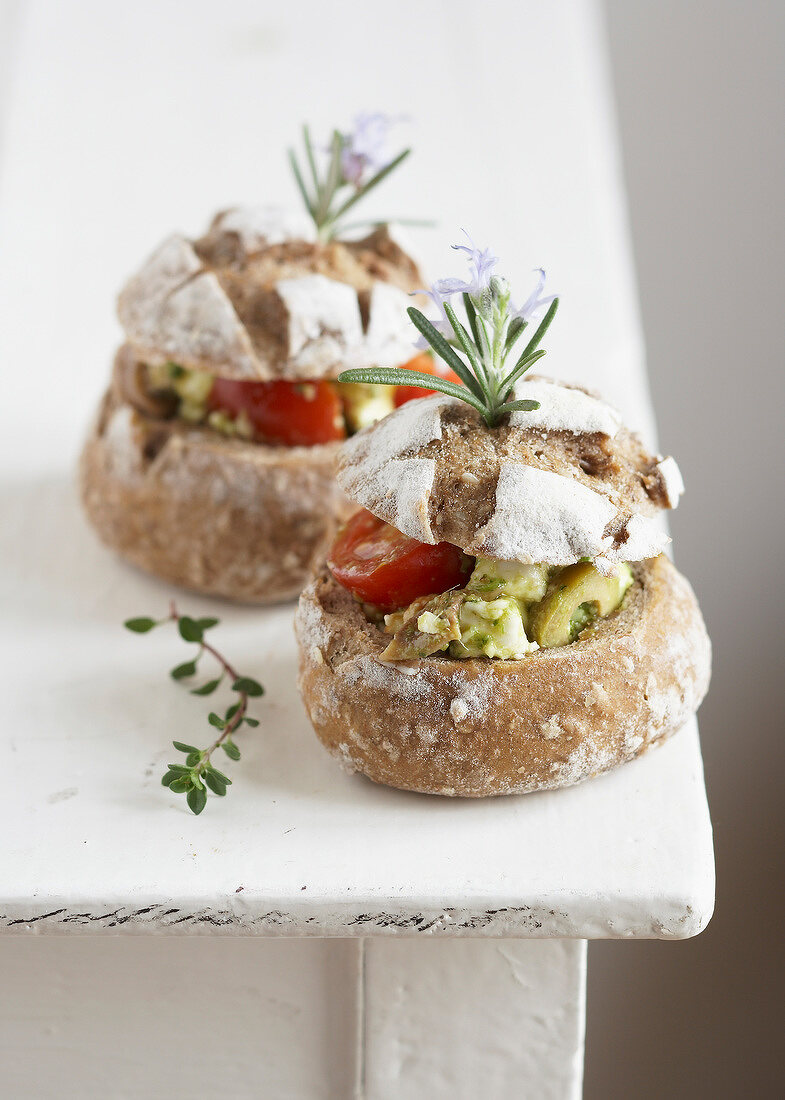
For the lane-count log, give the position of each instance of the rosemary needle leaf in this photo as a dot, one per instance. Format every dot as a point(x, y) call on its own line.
point(520, 369)
point(471, 314)
point(519, 406)
point(470, 351)
point(541, 330)
point(311, 160)
point(517, 326)
point(444, 351)
point(373, 182)
point(393, 376)
point(301, 184)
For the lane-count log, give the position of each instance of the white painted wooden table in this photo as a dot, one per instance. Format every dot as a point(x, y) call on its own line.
point(457, 953)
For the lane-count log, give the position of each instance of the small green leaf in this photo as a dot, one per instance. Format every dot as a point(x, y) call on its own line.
point(216, 785)
point(178, 769)
point(207, 624)
point(231, 711)
point(189, 628)
point(254, 722)
point(140, 626)
point(231, 750)
point(373, 182)
point(182, 747)
point(180, 785)
point(445, 351)
point(168, 777)
point(208, 688)
point(193, 759)
point(216, 720)
point(196, 781)
point(517, 326)
point(394, 376)
point(519, 406)
point(214, 771)
point(184, 670)
point(248, 686)
point(197, 799)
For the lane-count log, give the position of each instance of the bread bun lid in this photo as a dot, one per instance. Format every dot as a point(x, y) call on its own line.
point(220, 516)
point(258, 299)
point(565, 482)
point(481, 727)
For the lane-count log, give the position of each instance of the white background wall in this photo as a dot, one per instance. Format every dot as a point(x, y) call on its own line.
point(700, 95)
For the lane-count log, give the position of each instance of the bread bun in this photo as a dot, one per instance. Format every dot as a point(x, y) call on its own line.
point(255, 299)
point(216, 515)
point(554, 485)
point(481, 727)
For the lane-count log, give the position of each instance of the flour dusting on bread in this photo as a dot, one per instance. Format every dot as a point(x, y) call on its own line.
point(563, 482)
point(258, 298)
point(564, 408)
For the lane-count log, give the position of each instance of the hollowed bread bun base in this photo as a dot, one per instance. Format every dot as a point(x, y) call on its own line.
point(219, 516)
point(479, 727)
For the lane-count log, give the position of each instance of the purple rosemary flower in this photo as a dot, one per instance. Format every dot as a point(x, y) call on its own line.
point(364, 150)
point(481, 264)
point(535, 303)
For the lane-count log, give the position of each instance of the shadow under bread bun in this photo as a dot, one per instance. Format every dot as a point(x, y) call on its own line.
point(476, 727)
point(222, 516)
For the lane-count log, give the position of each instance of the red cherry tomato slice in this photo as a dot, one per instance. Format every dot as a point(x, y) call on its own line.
point(426, 364)
point(383, 567)
point(289, 414)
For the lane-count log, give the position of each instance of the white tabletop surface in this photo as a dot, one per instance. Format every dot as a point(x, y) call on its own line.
point(122, 122)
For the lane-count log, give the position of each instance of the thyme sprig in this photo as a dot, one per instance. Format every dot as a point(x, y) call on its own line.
point(487, 340)
point(356, 163)
point(197, 774)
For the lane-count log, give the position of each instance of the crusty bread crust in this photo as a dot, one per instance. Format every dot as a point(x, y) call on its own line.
point(220, 516)
point(485, 727)
point(247, 301)
point(556, 485)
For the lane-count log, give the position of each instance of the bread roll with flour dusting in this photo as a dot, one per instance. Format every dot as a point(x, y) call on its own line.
point(562, 644)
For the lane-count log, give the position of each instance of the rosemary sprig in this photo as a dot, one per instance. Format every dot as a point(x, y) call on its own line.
point(493, 327)
point(197, 774)
point(356, 163)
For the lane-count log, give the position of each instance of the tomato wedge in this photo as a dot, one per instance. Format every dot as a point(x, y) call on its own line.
point(289, 414)
point(383, 567)
point(426, 364)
